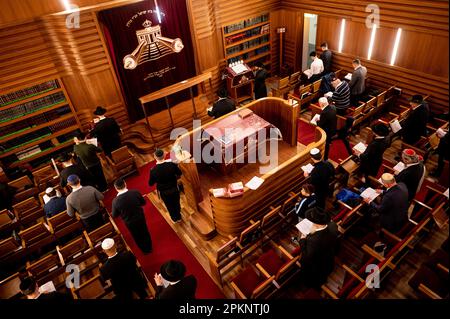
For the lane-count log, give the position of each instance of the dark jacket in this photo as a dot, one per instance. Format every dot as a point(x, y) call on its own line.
point(393, 208)
point(184, 289)
point(326, 58)
point(372, 158)
point(411, 177)
point(124, 274)
point(318, 251)
point(260, 84)
point(165, 176)
point(304, 204)
point(328, 121)
point(321, 176)
point(129, 206)
point(55, 206)
point(107, 132)
point(87, 153)
point(6, 196)
point(222, 107)
point(86, 178)
point(415, 125)
point(55, 296)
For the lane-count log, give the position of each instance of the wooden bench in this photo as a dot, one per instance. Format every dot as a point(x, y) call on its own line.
point(25, 189)
point(123, 162)
point(62, 225)
point(28, 212)
point(45, 177)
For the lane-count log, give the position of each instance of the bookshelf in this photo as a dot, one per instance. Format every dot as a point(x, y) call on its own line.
point(36, 123)
point(248, 40)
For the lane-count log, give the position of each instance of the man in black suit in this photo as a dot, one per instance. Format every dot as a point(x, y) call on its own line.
point(29, 287)
point(413, 174)
point(318, 248)
point(372, 158)
point(260, 81)
point(415, 125)
point(74, 169)
point(87, 153)
point(165, 175)
point(320, 177)
point(128, 205)
point(443, 152)
point(55, 205)
point(223, 105)
point(393, 209)
point(171, 283)
point(107, 131)
point(121, 269)
point(326, 58)
point(327, 122)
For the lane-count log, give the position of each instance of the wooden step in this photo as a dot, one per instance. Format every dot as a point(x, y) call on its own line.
point(203, 224)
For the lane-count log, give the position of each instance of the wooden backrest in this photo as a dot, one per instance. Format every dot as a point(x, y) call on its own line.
point(28, 211)
point(294, 77)
point(34, 233)
point(8, 246)
point(226, 249)
point(5, 218)
point(249, 234)
point(101, 233)
point(283, 82)
point(9, 287)
point(44, 175)
point(316, 85)
point(381, 98)
point(73, 249)
point(60, 221)
point(357, 111)
point(121, 154)
point(370, 104)
point(21, 183)
point(305, 89)
point(289, 204)
point(25, 205)
point(43, 266)
point(91, 289)
point(271, 219)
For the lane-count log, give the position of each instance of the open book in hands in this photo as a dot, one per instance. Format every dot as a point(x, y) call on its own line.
point(360, 147)
point(305, 226)
point(308, 168)
point(395, 126)
point(399, 167)
point(369, 194)
point(315, 119)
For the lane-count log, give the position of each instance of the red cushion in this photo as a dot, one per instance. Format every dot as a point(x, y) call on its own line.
point(247, 281)
point(271, 262)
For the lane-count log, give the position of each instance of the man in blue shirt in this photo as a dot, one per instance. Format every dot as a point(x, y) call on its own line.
point(55, 204)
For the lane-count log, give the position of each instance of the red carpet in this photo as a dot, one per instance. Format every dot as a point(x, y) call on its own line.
point(166, 244)
point(306, 134)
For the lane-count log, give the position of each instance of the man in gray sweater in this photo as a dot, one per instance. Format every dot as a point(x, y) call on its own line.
point(86, 201)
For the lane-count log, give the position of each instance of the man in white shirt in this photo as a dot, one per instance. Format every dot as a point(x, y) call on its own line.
point(314, 73)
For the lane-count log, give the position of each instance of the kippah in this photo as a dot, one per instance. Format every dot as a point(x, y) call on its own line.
point(409, 152)
point(73, 178)
point(314, 151)
point(387, 178)
point(108, 243)
point(49, 190)
point(159, 152)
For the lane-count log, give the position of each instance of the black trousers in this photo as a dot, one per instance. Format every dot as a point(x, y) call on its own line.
point(93, 222)
point(171, 199)
point(327, 147)
point(99, 178)
point(141, 235)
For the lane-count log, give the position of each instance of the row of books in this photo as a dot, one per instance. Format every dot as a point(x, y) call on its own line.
point(62, 125)
point(24, 139)
point(243, 35)
point(246, 23)
point(22, 94)
point(34, 121)
point(250, 54)
point(32, 106)
point(248, 45)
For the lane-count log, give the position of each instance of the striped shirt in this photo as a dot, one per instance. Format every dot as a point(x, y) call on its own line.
point(341, 96)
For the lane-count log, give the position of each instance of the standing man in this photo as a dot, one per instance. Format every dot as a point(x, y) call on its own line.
point(340, 96)
point(372, 158)
point(415, 125)
point(171, 283)
point(314, 73)
point(55, 204)
point(413, 174)
point(86, 201)
point(121, 269)
point(88, 156)
point(74, 169)
point(260, 81)
point(326, 57)
point(358, 82)
point(223, 105)
point(327, 122)
point(393, 209)
point(128, 205)
point(29, 288)
point(165, 176)
point(107, 131)
point(443, 152)
point(320, 177)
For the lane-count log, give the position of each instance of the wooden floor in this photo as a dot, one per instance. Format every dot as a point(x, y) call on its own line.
point(394, 286)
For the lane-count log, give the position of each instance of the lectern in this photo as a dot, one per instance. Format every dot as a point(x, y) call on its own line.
point(240, 82)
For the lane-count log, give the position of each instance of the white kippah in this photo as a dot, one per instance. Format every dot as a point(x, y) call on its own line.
point(314, 151)
point(108, 243)
point(49, 190)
